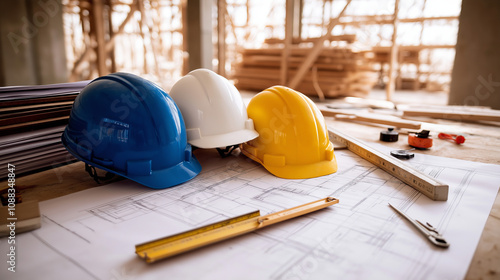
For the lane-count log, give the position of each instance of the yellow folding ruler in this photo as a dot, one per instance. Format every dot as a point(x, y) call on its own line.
point(186, 241)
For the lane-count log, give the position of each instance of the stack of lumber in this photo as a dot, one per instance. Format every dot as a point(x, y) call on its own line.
point(32, 119)
point(337, 71)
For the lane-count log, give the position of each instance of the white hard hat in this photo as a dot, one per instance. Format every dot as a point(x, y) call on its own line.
point(213, 111)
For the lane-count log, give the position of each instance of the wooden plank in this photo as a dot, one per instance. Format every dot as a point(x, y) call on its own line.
point(302, 51)
point(488, 115)
point(370, 118)
point(332, 90)
point(349, 38)
point(422, 19)
point(347, 83)
point(325, 85)
point(385, 19)
point(257, 72)
point(260, 84)
point(272, 60)
point(339, 68)
point(323, 76)
point(293, 65)
point(324, 73)
point(411, 47)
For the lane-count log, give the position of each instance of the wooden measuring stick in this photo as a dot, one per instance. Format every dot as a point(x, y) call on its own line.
point(175, 244)
point(428, 186)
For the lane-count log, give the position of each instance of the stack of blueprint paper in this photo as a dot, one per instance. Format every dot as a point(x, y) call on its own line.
point(32, 119)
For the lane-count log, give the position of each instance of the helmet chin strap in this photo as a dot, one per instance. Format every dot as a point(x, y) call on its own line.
point(93, 173)
point(227, 151)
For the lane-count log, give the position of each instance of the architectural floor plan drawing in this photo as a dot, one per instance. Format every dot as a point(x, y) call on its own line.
point(92, 234)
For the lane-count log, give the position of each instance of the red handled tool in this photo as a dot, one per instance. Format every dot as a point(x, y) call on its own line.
point(459, 139)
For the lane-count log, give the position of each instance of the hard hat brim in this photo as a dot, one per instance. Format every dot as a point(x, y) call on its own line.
point(169, 177)
point(224, 140)
point(159, 179)
point(303, 171)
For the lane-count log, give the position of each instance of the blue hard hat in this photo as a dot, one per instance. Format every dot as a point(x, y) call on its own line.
point(127, 125)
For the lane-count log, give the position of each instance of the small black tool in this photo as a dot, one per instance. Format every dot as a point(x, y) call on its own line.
point(403, 154)
point(389, 135)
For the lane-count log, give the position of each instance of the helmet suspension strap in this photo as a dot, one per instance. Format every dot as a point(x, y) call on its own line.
point(227, 151)
point(93, 173)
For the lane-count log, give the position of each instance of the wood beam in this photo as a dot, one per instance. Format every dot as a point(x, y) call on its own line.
point(350, 38)
point(109, 44)
point(185, 58)
point(221, 37)
point(297, 18)
point(199, 34)
point(386, 19)
point(111, 53)
point(318, 46)
point(289, 22)
point(145, 21)
point(98, 16)
point(394, 54)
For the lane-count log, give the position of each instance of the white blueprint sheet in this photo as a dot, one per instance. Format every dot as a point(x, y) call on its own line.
point(92, 234)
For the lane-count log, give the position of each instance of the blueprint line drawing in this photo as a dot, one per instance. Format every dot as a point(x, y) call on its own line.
point(360, 237)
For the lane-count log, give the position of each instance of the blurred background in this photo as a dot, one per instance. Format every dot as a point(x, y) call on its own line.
point(359, 46)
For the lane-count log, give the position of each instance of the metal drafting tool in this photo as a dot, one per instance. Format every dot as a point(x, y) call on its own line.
point(186, 241)
point(430, 187)
point(426, 229)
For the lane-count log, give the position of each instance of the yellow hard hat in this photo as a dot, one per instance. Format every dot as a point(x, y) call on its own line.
point(293, 139)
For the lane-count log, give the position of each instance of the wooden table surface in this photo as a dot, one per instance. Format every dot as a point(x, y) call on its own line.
point(482, 145)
